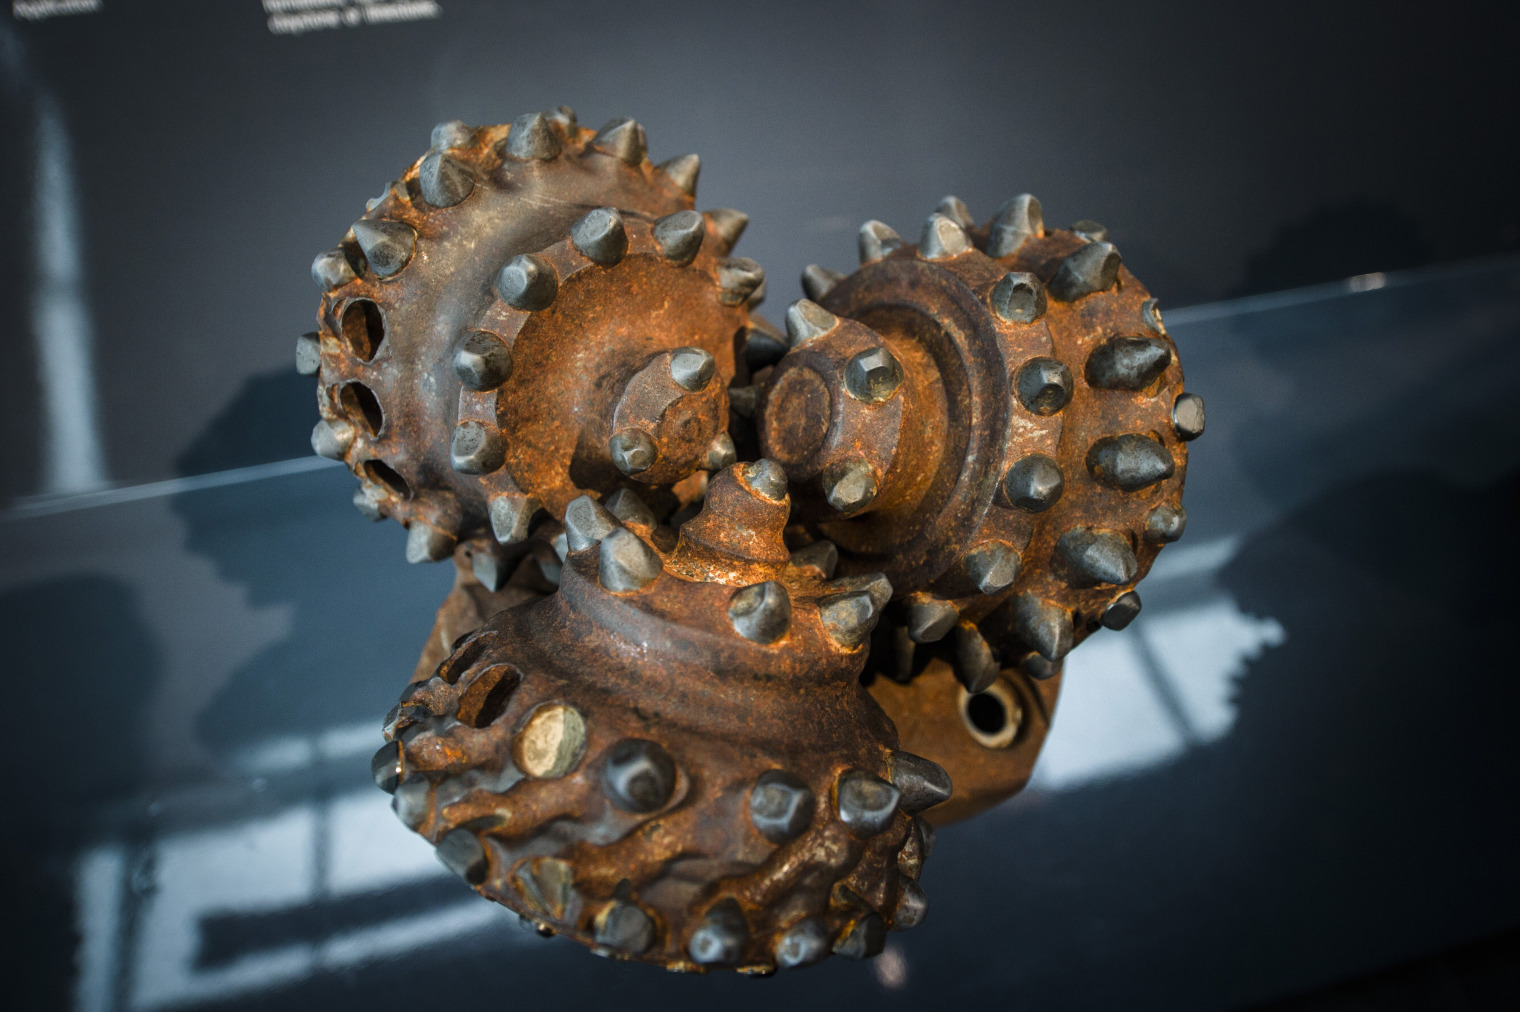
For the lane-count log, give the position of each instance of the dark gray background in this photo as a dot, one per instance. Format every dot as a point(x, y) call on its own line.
point(1230, 148)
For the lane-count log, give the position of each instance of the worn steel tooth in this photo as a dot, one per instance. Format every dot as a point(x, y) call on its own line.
point(680, 236)
point(762, 612)
point(912, 907)
point(633, 451)
point(332, 270)
point(683, 171)
point(806, 319)
point(721, 937)
point(587, 522)
point(1097, 556)
point(930, 618)
point(757, 296)
point(927, 834)
point(1018, 297)
point(1187, 416)
point(443, 181)
point(849, 618)
point(744, 400)
point(332, 439)
point(729, 224)
point(1165, 524)
point(452, 134)
point(976, 667)
point(819, 281)
point(366, 502)
point(1130, 461)
point(1089, 230)
point(1122, 612)
point(780, 806)
point(624, 928)
point(943, 239)
point(638, 775)
point(410, 802)
point(463, 854)
point(528, 282)
point(530, 138)
point(1127, 363)
point(738, 277)
point(477, 448)
point(1038, 667)
point(873, 375)
point(766, 477)
point(1020, 219)
point(387, 244)
point(601, 236)
point(876, 585)
point(1150, 314)
point(630, 509)
point(426, 543)
point(1044, 625)
point(955, 209)
point(864, 802)
point(992, 566)
point(1093, 268)
point(850, 485)
point(720, 453)
point(564, 117)
point(627, 563)
point(762, 344)
point(308, 354)
point(692, 368)
point(902, 660)
point(922, 782)
point(489, 569)
point(622, 137)
point(386, 767)
point(820, 555)
point(513, 516)
point(1044, 385)
point(482, 361)
point(865, 938)
point(1035, 483)
point(803, 944)
point(877, 239)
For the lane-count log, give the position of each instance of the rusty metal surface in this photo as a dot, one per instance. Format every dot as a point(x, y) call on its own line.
point(503, 329)
point(672, 758)
point(996, 419)
point(670, 708)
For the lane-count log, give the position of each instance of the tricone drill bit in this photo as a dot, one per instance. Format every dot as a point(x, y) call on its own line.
point(672, 758)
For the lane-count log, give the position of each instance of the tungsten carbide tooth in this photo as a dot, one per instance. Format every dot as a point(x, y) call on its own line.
point(729, 224)
point(387, 245)
point(531, 139)
point(623, 138)
point(1016, 222)
point(443, 181)
point(683, 171)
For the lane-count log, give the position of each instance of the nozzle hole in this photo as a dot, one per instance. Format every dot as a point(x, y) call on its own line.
point(386, 475)
point(363, 328)
point(362, 406)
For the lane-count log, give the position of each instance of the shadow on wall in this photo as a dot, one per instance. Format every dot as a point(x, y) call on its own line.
point(1338, 241)
point(269, 419)
point(82, 663)
point(288, 544)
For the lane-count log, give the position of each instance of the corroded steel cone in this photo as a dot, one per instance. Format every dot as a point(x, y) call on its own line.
point(533, 311)
point(995, 418)
point(672, 758)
